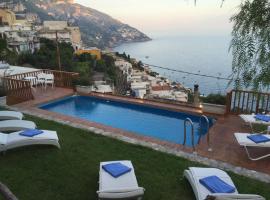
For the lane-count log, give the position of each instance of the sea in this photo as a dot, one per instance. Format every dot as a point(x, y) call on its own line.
point(204, 55)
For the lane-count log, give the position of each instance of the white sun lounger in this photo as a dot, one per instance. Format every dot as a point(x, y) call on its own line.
point(123, 187)
point(16, 125)
point(14, 140)
point(252, 120)
point(194, 174)
point(245, 142)
point(7, 115)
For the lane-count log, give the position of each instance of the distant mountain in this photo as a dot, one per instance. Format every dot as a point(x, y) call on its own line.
point(97, 28)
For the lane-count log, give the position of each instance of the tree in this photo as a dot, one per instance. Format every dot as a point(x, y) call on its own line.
point(250, 45)
point(6, 54)
point(46, 58)
point(85, 71)
point(66, 55)
point(84, 57)
point(100, 66)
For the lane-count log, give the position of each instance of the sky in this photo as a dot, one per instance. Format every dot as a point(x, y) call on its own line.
point(174, 17)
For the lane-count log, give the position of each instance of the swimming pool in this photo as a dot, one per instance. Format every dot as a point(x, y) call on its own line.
point(143, 120)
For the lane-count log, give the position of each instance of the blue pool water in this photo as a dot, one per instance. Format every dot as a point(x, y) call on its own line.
point(157, 123)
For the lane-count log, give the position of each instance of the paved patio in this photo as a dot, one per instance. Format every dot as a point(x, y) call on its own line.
point(42, 95)
point(225, 148)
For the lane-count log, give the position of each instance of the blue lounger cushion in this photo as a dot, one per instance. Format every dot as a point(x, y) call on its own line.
point(215, 185)
point(264, 118)
point(258, 138)
point(116, 169)
point(30, 132)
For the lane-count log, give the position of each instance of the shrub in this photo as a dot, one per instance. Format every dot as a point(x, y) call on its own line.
point(214, 99)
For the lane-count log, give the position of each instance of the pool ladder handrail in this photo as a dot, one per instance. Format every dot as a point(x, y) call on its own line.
point(207, 133)
point(188, 120)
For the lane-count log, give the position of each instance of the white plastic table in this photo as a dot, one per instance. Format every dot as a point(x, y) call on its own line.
point(32, 80)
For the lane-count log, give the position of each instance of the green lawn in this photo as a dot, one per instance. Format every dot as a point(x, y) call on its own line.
point(45, 172)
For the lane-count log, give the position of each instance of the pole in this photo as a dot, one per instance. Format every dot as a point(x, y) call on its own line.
point(58, 52)
point(58, 58)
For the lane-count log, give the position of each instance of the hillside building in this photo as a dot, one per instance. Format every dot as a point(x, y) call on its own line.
point(93, 51)
point(64, 1)
point(65, 33)
point(21, 41)
point(125, 67)
point(18, 32)
point(139, 89)
point(7, 17)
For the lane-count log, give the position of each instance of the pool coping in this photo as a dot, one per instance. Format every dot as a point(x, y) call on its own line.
point(148, 103)
point(155, 144)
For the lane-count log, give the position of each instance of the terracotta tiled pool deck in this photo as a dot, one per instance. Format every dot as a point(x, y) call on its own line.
point(225, 148)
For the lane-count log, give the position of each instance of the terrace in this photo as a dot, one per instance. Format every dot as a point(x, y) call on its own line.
point(21, 90)
point(81, 143)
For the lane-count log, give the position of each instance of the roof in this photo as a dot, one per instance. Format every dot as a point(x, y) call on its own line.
point(160, 88)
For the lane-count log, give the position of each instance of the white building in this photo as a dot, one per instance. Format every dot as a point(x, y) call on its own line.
point(139, 89)
point(165, 91)
point(20, 41)
point(138, 73)
point(64, 32)
point(125, 67)
point(102, 87)
point(18, 32)
point(161, 90)
point(181, 96)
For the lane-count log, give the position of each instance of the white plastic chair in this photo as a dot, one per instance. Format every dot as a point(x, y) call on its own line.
point(41, 79)
point(49, 79)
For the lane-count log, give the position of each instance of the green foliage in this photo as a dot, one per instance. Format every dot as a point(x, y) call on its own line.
point(214, 99)
point(46, 56)
point(3, 44)
point(111, 70)
point(84, 64)
point(152, 73)
point(100, 66)
point(250, 44)
point(138, 65)
point(26, 58)
point(84, 57)
point(66, 53)
point(190, 97)
point(7, 55)
point(85, 71)
point(2, 91)
point(123, 55)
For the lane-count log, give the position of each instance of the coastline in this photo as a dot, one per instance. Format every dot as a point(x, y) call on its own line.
point(118, 44)
point(196, 54)
point(148, 68)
